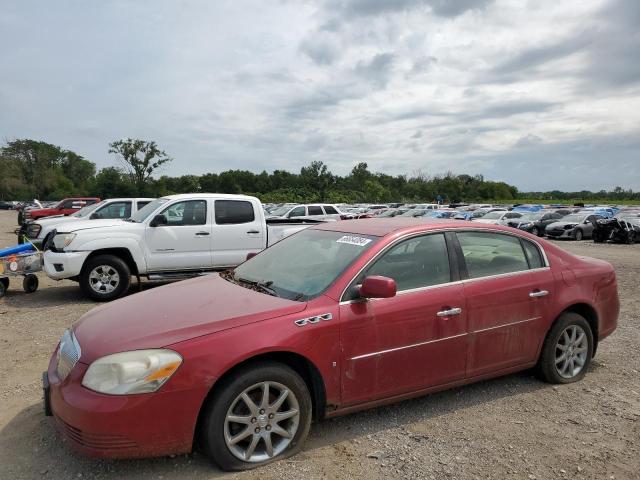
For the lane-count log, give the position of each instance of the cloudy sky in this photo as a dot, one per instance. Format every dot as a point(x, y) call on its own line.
point(542, 94)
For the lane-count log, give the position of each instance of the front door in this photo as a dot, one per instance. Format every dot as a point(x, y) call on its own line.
point(184, 242)
point(411, 341)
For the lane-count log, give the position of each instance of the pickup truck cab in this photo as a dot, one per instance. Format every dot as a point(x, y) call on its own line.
point(39, 231)
point(67, 206)
point(173, 237)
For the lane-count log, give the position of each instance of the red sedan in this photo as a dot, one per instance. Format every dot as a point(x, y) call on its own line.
point(339, 317)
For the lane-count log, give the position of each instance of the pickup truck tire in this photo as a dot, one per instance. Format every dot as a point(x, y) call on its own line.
point(105, 277)
point(240, 427)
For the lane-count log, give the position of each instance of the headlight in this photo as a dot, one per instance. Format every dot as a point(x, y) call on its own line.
point(33, 230)
point(139, 371)
point(569, 227)
point(526, 224)
point(63, 240)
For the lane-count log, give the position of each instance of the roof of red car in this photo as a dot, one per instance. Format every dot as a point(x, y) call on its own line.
point(384, 226)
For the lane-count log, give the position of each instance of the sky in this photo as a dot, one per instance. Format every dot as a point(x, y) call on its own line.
point(541, 94)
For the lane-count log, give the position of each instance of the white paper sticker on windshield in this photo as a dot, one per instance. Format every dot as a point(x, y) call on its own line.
point(351, 240)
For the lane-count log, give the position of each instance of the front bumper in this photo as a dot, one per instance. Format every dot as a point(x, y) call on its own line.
point(59, 265)
point(126, 426)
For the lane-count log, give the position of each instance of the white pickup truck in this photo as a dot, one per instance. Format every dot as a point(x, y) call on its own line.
point(173, 237)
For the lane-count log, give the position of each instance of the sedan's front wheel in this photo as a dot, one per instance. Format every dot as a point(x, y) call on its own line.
point(567, 350)
point(260, 414)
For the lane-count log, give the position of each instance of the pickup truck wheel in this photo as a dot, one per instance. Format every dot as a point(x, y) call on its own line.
point(105, 277)
point(260, 414)
point(567, 350)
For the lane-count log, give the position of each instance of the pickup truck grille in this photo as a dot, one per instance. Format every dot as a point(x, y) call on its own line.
point(68, 354)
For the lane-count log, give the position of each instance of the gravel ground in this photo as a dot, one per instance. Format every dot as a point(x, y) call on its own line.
point(511, 427)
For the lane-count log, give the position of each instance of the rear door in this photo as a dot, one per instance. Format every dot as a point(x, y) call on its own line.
point(331, 212)
point(315, 212)
point(507, 292)
point(411, 341)
point(238, 229)
point(184, 242)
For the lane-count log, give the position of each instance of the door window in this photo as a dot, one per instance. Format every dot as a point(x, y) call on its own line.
point(418, 262)
point(533, 254)
point(143, 203)
point(191, 212)
point(233, 212)
point(329, 210)
point(115, 210)
point(297, 212)
point(488, 254)
point(315, 210)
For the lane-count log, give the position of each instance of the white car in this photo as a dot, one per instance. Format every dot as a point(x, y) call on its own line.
point(38, 231)
point(497, 217)
point(316, 211)
point(173, 237)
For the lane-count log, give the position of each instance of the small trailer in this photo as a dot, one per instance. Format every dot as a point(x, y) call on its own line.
point(20, 261)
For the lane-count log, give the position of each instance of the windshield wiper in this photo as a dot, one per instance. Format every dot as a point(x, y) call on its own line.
point(261, 286)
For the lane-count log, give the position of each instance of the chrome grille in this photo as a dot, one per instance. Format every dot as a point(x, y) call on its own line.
point(68, 354)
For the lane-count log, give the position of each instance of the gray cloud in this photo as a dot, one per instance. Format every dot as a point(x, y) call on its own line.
point(444, 8)
point(377, 70)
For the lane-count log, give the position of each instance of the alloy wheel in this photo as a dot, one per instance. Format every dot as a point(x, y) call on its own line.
point(104, 279)
point(571, 351)
point(261, 422)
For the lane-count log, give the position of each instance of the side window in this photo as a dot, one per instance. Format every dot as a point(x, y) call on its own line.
point(315, 210)
point(115, 210)
point(414, 263)
point(487, 254)
point(69, 204)
point(297, 212)
point(534, 257)
point(191, 212)
point(143, 203)
point(233, 212)
point(89, 201)
point(329, 210)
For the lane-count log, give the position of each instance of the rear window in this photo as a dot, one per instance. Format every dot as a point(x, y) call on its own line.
point(315, 210)
point(534, 257)
point(233, 212)
point(330, 210)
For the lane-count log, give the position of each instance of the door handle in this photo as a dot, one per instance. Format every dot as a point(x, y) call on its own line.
point(539, 293)
point(202, 234)
point(450, 312)
point(253, 231)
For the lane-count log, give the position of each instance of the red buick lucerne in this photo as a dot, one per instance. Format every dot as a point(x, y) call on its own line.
point(338, 317)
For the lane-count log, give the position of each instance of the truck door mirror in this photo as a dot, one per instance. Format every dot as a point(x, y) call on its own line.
point(94, 216)
point(158, 220)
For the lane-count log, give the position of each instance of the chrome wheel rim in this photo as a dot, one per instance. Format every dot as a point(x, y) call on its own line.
point(104, 279)
point(261, 422)
point(571, 351)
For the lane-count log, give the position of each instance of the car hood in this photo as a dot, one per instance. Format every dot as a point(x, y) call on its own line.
point(87, 224)
point(482, 220)
point(174, 313)
point(47, 221)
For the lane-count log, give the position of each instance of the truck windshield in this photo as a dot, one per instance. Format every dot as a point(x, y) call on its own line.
point(304, 265)
point(86, 211)
point(147, 210)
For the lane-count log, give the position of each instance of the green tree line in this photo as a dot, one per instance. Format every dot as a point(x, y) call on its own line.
point(34, 169)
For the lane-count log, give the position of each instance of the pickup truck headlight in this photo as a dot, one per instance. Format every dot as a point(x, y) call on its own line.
point(63, 240)
point(138, 371)
point(33, 230)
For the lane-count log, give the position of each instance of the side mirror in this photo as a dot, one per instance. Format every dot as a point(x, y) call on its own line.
point(94, 216)
point(377, 286)
point(250, 255)
point(158, 220)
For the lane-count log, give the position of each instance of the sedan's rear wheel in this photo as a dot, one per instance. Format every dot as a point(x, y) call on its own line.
point(567, 350)
point(261, 414)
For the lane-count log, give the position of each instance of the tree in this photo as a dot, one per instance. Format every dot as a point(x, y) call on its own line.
point(140, 158)
point(317, 177)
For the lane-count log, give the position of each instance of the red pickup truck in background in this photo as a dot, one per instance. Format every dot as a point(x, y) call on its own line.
point(64, 207)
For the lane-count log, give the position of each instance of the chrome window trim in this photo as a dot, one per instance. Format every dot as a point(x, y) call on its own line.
point(505, 325)
point(417, 234)
point(390, 350)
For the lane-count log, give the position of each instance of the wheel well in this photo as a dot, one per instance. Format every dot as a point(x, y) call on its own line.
point(305, 368)
point(122, 253)
point(591, 316)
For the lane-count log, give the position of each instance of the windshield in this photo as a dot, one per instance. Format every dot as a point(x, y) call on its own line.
point(86, 211)
point(493, 215)
point(147, 210)
point(278, 212)
point(573, 219)
point(412, 213)
point(304, 265)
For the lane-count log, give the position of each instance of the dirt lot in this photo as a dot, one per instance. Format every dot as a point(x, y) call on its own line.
point(511, 427)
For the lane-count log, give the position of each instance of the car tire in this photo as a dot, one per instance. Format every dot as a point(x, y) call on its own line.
point(631, 238)
point(535, 231)
point(4, 286)
point(105, 277)
point(579, 235)
point(578, 350)
point(30, 283)
point(217, 432)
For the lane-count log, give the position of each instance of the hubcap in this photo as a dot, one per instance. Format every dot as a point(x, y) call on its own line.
point(261, 422)
point(571, 351)
point(104, 279)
